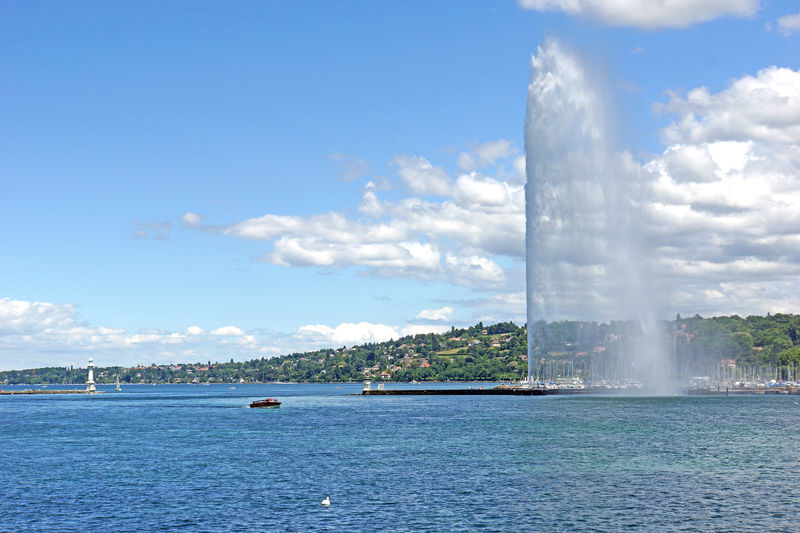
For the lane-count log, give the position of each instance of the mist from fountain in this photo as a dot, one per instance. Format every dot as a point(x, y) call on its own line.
point(584, 205)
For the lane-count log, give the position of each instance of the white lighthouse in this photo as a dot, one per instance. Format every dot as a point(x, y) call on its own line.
point(90, 381)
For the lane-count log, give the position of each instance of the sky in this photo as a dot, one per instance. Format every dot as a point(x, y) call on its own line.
point(193, 181)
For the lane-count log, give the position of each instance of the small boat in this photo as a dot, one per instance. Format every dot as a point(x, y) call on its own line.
point(267, 402)
point(117, 386)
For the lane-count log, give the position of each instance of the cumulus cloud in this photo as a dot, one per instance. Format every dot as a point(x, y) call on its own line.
point(350, 334)
point(192, 219)
point(346, 334)
point(455, 239)
point(648, 14)
point(36, 334)
point(19, 317)
point(789, 24)
point(763, 107)
point(436, 314)
point(421, 177)
point(474, 191)
point(421, 329)
point(723, 212)
point(475, 270)
point(370, 204)
point(430, 321)
point(228, 331)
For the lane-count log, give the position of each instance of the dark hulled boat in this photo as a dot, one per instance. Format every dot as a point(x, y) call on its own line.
point(267, 402)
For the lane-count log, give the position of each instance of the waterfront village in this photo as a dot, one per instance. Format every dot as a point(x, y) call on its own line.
point(707, 351)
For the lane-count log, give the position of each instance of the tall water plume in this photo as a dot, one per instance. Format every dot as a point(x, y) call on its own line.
point(583, 204)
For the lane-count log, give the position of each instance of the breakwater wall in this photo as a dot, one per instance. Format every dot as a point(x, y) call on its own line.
point(494, 391)
point(523, 391)
point(42, 391)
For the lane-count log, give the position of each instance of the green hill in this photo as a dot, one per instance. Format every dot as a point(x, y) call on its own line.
point(768, 345)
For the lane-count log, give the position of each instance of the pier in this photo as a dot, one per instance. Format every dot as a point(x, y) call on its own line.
point(460, 392)
point(505, 390)
point(43, 391)
point(501, 390)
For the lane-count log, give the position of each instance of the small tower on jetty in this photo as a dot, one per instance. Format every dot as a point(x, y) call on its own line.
point(90, 381)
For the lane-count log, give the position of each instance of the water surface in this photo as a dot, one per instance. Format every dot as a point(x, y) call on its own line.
point(196, 458)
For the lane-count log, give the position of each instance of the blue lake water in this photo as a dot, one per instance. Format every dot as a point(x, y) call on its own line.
point(195, 458)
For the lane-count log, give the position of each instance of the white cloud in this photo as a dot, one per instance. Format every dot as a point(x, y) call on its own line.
point(271, 226)
point(192, 219)
point(789, 24)
point(352, 334)
point(19, 317)
point(476, 192)
point(421, 329)
point(407, 259)
point(37, 334)
point(228, 331)
point(475, 270)
point(370, 205)
point(690, 163)
point(421, 177)
point(764, 107)
point(346, 334)
point(489, 153)
point(648, 14)
point(453, 239)
point(485, 154)
point(436, 314)
point(723, 214)
point(34, 334)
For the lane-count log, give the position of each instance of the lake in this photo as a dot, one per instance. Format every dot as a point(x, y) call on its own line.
point(195, 458)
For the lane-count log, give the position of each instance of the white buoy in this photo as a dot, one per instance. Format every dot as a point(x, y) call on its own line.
point(327, 501)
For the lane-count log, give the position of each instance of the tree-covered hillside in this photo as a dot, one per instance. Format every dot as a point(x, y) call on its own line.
point(488, 353)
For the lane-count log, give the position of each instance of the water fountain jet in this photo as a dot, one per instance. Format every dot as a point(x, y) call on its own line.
point(584, 240)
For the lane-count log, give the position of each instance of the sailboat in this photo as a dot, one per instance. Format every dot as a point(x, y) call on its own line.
point(117, 387)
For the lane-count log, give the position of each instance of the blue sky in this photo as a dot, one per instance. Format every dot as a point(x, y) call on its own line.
point(187, 181)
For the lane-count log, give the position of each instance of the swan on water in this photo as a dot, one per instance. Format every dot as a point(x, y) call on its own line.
point(327, 501)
